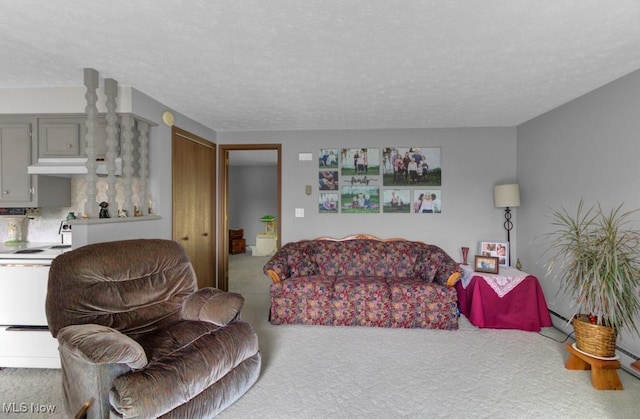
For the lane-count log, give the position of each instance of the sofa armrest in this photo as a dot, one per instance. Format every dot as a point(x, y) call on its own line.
point(453, 278)
point(277, 268)
point(449, 272)
point(212, 305)
point(273, 275)
point(101, 345)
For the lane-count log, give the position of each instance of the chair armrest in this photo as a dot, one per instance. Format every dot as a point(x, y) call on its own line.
point(102, 345)
point(213, 305)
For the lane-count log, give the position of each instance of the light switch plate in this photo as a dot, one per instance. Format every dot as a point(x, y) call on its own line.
point(299, 212)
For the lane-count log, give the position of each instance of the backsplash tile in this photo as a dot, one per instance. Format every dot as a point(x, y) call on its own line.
point(45, 228)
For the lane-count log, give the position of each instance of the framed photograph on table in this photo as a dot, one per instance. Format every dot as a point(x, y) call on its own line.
point(497, 249)
point(486, 264)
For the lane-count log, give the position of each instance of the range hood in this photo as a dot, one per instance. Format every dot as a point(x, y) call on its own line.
point(63, 166)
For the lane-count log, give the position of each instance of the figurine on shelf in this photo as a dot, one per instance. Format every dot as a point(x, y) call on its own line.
point(122, 213)
point(104, 210)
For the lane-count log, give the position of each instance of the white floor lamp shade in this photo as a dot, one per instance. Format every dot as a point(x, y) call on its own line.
point(507, 197)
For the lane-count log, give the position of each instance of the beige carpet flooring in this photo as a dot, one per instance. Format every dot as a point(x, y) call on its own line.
point(345, 372)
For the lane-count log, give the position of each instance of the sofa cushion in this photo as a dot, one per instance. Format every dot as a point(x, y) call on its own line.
point(301, 258)
point(415, 291)
point(305, 287)
point(302, 300)
point(301, 311)
point(340, 258)
point(369, 258)
point(184, 359)
point(416, 303)
point(213, 305)
point(361, 301)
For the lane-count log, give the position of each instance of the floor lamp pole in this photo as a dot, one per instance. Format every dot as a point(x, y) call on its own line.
point(508, 225)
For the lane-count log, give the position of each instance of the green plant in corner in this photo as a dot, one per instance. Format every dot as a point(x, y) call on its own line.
point(596, 258)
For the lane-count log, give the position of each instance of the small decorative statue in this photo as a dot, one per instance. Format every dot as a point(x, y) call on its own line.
point(122, 213)
point(104, 210)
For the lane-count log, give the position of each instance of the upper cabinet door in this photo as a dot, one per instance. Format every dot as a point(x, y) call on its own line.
point(15, 156)
point(60, 137)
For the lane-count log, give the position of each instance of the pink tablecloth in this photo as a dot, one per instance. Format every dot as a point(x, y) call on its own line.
point(524, 307)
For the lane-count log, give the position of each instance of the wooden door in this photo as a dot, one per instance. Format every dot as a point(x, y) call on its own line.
point(193, 185)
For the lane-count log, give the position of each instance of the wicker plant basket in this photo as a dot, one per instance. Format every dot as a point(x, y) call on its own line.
point(594, 339)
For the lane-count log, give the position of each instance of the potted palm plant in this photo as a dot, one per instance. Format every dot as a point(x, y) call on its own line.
point(596, 258)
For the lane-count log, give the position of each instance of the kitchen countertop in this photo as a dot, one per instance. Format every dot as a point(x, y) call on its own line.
point(10, 248)
point(8, 251)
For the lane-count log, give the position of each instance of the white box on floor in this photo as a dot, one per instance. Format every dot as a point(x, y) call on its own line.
point(266, 245)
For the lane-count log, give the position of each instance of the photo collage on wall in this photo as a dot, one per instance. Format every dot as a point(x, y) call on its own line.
point(373, 180)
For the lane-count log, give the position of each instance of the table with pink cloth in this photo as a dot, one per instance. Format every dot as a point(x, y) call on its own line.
point(511, 299)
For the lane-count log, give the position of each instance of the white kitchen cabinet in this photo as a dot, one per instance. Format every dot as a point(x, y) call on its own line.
point(17, 187)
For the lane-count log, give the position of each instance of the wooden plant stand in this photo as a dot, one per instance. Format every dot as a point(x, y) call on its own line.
point(604, 374)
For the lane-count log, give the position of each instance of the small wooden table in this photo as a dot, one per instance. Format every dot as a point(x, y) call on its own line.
point(604, 374)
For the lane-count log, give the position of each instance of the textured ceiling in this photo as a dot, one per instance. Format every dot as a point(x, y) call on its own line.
point(329, 64)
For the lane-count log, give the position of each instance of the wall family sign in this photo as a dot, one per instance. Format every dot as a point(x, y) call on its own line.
point(391, 180)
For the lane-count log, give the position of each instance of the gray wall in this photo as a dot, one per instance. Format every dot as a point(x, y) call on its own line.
point(473, 160)
point(587, 149)
point(252, 194)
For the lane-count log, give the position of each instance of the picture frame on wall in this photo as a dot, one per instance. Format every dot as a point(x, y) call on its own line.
point(328, 180)
point(360, 199)
point(360, 161)
point(411, 166)
point(486, 264)
point(328, 202)
point(427, 201)
point(496, 249)
point(396, 201)
point(328, 158)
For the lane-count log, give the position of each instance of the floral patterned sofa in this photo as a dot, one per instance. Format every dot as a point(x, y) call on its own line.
point(363, 281)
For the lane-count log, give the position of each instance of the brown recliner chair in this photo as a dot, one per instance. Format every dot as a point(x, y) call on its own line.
point(137, 339)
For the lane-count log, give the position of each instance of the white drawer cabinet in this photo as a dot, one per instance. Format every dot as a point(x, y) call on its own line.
point(25, 342)
point(28, 349)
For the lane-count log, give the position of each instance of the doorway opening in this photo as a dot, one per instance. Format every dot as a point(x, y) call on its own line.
point(232, 159)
